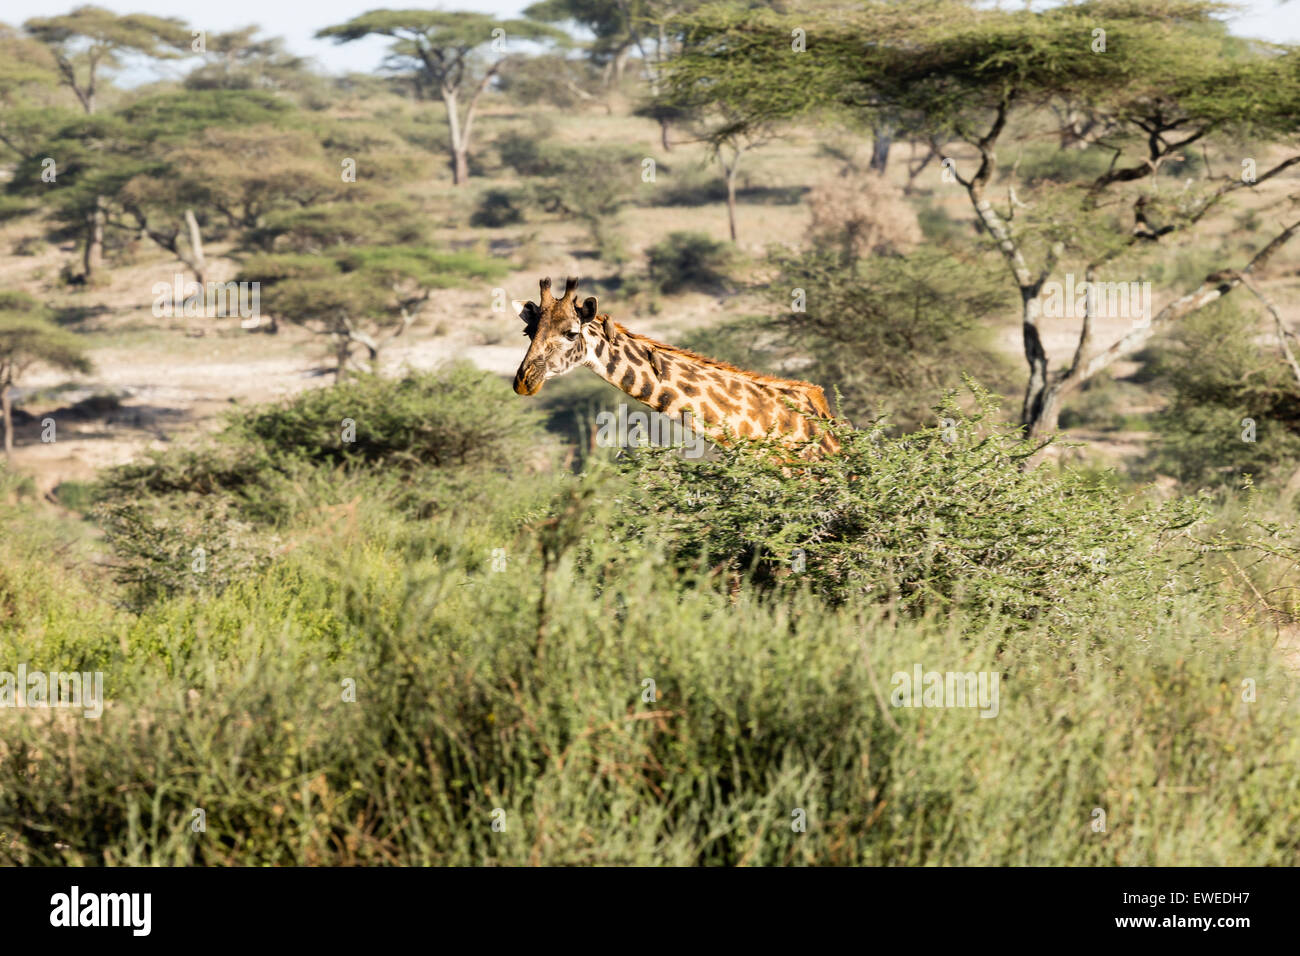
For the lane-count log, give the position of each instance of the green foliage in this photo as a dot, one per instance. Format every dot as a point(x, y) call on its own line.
point(525, 692)
point(240, 60)
point(191, 544)
point(318, 228)
point(890, 332)
point(28, 337)
point(458, 418)
point(418, 443)
point(1234, 405)
point(590, 185)
point(690, 261)
point(939, 519)
point(550, 79)
point(497, 208)
point(361, 297)
point(453, 33)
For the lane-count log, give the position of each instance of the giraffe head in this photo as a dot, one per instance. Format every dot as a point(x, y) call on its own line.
point(562, 336)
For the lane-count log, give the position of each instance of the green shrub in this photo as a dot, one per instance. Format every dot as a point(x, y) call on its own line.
point(384, 697)
point(496, 208)
point(939, 518)
point(419, 444)
point(1047, 162)
point(456, 418)
point(889, 333)
point(181, 544)
point(689, 261)
point(1234, 406)
point(317, 228)
point(591, 186)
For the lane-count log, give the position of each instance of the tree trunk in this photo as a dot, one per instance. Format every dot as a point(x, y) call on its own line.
point(197, 261)
point(619, 63)
point(457, 138)
point(341, 351)
point(459, 167)
point(883, 134)
point(664, 126)
point(731, 197)
point(94, 255)
point(7, 414)
point(1035, 356)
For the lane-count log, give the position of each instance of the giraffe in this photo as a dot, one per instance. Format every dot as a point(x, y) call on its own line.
point(722, 401)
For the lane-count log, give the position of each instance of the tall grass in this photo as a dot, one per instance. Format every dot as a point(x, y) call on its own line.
point(513, 684)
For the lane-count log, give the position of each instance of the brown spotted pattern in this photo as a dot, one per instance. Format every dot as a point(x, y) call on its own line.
point(723, 400)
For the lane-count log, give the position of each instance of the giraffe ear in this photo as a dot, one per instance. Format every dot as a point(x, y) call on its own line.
point(587, 311)
point(526, 310)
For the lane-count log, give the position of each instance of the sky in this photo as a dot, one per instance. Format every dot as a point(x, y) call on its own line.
point(297, 20)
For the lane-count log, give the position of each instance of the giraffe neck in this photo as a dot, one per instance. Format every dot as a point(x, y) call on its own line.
point(721, 399)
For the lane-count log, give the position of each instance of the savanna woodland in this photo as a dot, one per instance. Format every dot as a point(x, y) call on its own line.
point(354, 600)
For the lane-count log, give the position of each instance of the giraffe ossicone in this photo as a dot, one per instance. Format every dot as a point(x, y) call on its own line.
point(722, 400)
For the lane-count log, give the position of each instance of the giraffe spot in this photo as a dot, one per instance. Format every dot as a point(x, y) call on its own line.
point(629, 379)
point(689, 389)
point(721, 401)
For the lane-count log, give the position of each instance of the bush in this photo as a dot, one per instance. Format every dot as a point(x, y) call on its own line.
point(689, 261)
point(592, 186)
point(418, 444)
point(862, 215)
point(496, 208)
point(1047, 162)
point(318, 228)
point(890, 333)
point(457, 418)
point(1234, 406)
point(941, 518)
point(521, 698)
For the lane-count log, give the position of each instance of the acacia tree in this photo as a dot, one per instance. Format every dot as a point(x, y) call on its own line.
point(24, 64)
point(441, 54)
point(615, 25)
point(27, 74)
point(29, 338)
point(241, 60)
point(84, 44)
point(168, 163)
point(360, 298)
point(1162, 76)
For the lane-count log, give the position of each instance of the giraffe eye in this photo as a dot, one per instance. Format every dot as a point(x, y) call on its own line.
point(570, 334)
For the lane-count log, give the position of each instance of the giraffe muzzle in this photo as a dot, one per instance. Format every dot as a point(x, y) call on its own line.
point(529, 378)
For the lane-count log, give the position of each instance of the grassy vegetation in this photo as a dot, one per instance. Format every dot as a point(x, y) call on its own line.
point(395, 680)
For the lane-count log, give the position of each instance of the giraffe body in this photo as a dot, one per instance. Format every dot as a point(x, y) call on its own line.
point(722, 401)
